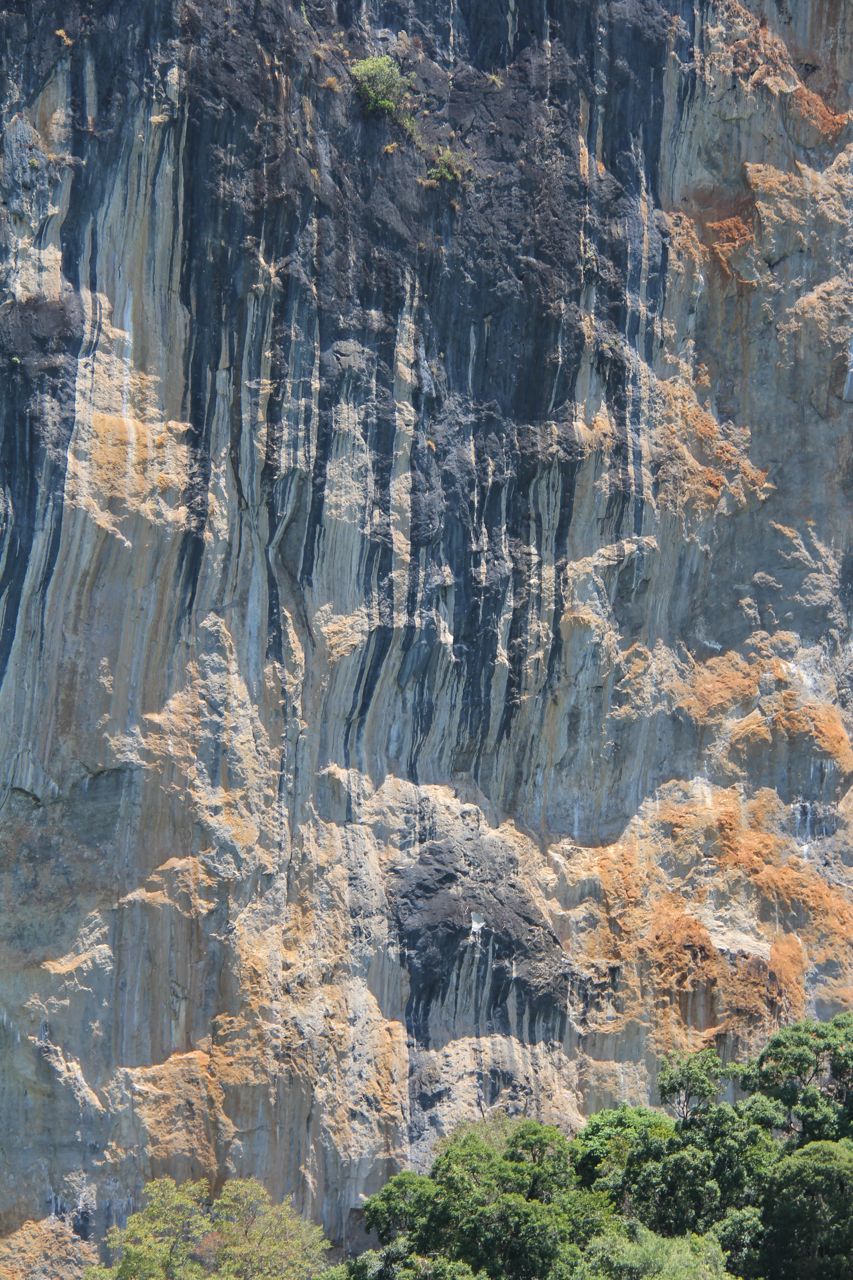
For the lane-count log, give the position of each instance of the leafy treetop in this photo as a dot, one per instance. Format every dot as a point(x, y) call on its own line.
point(808, 1068)
point(690, 1081)
point(183, 1234)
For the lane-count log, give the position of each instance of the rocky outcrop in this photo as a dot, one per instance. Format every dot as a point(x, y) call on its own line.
point(49, 1249)
point(425, 602)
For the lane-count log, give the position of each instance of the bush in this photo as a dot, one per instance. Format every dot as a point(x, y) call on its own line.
point(446, 167)
point(380, 84)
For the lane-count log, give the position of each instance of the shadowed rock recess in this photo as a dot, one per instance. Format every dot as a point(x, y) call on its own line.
point(425, 602)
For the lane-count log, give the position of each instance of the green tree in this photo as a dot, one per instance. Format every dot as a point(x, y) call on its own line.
point(546, 1156)
point(767, 1113)
point(674, 1193)
point(162, 1240)
point(808, 1214)
point(517, 1239)
point(808, 1068)
point(741, 1237)
point(416, 1268)
point(690, 1081)
point(601, 1150)
point(409, 1204)
point(650, 1170)
point(397, 1262)
point(742, 1148)
point(501, 1199)
point(640, 1253)
point(679, 1176)
point(180, 1234)
point(259, 1240)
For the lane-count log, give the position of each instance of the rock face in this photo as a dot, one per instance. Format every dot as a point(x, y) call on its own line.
point(49, 1249)
point(425, 603)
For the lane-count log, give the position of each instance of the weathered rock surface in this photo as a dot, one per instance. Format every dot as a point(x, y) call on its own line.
point(49, 1249)
point(425, 645)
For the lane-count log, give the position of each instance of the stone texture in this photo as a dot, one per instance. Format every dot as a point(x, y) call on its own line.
point(45, 1250)
point(425, 645)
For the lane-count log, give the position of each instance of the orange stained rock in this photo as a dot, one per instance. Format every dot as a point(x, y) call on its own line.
point(819, 721)
point(812, 109)
point(788, 964)
point(716, 686)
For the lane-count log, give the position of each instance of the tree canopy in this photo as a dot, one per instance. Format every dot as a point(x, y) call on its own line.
point(182, 1233)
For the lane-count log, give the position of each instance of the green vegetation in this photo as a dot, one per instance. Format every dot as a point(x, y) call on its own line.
point(384, 90)
point(760, 1188)
point(717, 1189)
point(809, 1213)
point(689, 1081)
point(182, 1234)
point(639, 1252)
point(446, 167)
point(381, 85)
point(808, 1069)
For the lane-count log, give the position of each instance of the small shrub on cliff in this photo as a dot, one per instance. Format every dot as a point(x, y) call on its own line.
point(182, 1234)
point(380, 84)
point(446, 167)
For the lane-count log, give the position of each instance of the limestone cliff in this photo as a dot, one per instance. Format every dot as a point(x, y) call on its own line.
point(425, 603)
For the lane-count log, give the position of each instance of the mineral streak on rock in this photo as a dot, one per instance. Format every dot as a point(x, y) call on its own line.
point(425, 605)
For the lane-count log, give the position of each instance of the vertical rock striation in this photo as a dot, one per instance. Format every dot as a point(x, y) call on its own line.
point(424, 605)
